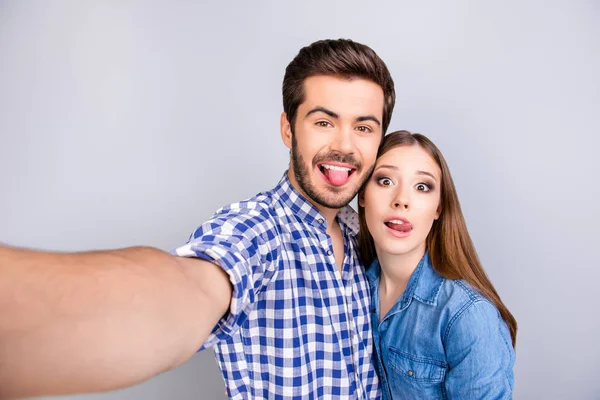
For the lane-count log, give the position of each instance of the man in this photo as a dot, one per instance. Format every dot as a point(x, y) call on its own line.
point(273, 282)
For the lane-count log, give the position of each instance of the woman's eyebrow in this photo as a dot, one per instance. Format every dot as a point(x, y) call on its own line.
point(418, 172)
point(387, 166)
point(426, 173)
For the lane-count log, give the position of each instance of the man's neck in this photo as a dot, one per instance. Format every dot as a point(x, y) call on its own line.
point(329, 213)
point(333, 227)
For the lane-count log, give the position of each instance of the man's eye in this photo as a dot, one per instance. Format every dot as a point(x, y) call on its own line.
point(364, 129)
point(323, 124)
point(385, 181)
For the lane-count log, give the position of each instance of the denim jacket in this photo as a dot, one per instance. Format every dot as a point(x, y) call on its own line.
point(441, 340)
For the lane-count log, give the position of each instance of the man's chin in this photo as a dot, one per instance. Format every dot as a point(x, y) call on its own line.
point(324, 194)
point(334, 198)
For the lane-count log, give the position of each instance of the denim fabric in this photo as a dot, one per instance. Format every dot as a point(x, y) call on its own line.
point(441, 340)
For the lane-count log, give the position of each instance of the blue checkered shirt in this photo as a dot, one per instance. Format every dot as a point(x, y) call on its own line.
point(296, 327)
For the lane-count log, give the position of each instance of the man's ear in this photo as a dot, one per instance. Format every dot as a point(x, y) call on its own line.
point(361, 198)
point(286, 130)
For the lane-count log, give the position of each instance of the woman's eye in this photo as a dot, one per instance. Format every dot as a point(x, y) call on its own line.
point(422, 187)
point(385, 181)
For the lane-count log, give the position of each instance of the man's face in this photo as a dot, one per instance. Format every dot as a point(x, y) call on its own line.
point(335, 140)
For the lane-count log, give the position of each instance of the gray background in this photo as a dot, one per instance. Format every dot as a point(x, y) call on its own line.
point(129, 123)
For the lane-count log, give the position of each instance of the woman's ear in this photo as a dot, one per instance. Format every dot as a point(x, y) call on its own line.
point(361, 198)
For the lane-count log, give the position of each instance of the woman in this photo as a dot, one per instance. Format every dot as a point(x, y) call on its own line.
point(440, 328)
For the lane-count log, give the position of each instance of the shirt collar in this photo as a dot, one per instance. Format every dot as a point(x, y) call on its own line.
point(424, 283)
point(305, 210)
point(429, 282)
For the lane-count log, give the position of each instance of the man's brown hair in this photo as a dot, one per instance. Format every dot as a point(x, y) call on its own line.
point(341, 58)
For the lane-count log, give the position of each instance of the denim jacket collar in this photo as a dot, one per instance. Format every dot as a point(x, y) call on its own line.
point(424, 283)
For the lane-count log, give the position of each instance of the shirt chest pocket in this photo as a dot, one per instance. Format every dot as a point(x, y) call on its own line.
point(413, 377)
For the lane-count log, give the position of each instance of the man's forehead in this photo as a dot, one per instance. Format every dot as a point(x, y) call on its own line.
point(346, 97)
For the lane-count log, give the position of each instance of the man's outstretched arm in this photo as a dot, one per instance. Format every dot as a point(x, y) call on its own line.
point(97, 321)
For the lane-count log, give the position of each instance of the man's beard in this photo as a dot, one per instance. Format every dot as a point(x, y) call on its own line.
point(302, 174)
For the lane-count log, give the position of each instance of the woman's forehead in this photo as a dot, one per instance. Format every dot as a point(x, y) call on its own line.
point(408, 158)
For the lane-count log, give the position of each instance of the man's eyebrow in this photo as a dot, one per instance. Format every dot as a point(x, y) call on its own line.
point(368, 118)
point(336, 116)
point(323, 110)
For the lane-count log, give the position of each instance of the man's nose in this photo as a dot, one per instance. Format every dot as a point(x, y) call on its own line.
point(343, 141)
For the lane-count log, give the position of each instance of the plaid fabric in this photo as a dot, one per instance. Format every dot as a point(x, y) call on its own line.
point(297, 328)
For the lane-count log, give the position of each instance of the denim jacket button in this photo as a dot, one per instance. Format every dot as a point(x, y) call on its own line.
point(410, 373)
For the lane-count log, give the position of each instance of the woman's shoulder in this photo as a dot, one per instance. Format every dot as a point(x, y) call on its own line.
point(458, 296)
point(472, 317)
point(461, 288)
point(469, 313)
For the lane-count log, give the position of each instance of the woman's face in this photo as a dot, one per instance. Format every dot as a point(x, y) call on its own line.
point(402, 199)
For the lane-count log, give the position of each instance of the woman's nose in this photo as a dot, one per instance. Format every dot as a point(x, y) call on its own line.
point(400, 201)
point(402, 205)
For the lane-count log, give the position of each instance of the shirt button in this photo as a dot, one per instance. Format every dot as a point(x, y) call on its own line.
point(329, 252)
point(320, 220)
point(410, 373)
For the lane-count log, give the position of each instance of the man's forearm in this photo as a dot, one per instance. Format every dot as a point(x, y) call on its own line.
point(101, 320)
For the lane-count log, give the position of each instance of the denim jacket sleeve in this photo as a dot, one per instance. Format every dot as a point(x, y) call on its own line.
point(479, 353)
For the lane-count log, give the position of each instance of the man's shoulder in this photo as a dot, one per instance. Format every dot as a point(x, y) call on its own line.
point(257, 209)
point(251, 219)
point(261, 202)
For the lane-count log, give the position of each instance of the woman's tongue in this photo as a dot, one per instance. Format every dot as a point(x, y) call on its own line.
point(406, 227)
point(337, 178)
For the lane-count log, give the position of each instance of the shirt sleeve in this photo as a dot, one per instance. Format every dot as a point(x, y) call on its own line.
point(479, 354)
point(240, 240)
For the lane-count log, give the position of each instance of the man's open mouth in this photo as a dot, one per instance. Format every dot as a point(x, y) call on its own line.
point(336, 174)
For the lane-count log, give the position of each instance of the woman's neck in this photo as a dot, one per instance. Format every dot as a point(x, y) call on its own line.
point(396, 270)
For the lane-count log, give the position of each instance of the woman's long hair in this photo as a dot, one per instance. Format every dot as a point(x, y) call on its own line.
point(449, 244)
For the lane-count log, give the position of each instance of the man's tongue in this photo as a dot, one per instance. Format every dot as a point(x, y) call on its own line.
point(337, 178)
